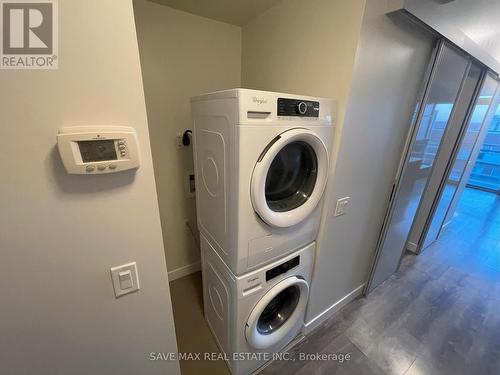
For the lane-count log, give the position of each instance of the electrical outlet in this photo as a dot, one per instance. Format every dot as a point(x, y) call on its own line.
point(178, 140)
point(341, 207)
point(190, 184)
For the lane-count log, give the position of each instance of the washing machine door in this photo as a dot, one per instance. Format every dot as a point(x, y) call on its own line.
point(289, 178)
point(278, 316)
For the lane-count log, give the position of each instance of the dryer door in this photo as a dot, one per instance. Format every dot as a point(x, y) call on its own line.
point(289, 178)
point(278, 316)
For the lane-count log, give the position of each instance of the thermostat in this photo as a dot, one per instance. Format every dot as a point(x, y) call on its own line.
point(98, 149)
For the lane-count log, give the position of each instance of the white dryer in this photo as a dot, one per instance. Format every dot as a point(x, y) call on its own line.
point(261, 168)
point(253, 317)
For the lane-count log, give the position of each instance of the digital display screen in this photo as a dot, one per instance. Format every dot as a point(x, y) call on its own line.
point(282, 268)
point(101, 150)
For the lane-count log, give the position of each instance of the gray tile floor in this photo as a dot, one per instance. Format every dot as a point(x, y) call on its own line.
point(440, 314)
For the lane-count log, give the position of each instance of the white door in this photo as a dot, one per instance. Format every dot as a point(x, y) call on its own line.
point(278, 316)
point(289, 178)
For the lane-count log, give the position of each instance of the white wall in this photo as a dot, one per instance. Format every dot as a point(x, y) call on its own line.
point(60, 233)
point(309, 47)
point(390, 64)
point(182, 55)
point(303, 47)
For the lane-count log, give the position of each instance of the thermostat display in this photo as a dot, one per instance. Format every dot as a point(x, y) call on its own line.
point(98, 149)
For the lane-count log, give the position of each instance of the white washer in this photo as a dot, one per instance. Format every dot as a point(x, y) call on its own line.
point(255, 316)
point(261, 168)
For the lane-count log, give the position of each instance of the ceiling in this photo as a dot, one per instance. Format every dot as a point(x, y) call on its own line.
point(478, 19)
point(236, 12)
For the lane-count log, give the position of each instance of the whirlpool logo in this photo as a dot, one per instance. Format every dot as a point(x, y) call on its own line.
point(29, 37)
point(259, 100)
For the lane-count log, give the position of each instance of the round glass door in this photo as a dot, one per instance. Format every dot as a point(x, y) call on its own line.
point(278, 316)
point(289, 178)
point(278, 310)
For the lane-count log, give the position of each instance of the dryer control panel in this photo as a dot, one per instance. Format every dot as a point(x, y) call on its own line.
point(298, 107)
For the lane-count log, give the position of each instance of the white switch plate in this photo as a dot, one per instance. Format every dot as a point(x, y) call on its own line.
point(341, 207)
point(125, 279)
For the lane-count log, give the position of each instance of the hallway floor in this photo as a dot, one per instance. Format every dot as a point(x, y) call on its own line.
point(440, 314)
point(191, 329)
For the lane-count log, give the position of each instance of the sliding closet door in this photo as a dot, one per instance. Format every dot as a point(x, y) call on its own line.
point(451, 139)
point(449, 191)
point(448, 76)
point(489, 123)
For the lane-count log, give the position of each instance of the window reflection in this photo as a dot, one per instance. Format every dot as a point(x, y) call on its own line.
point(445, 206)
point(430, 133)
point(486, 171)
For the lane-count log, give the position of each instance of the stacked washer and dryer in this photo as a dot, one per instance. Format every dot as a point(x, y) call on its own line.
point(261, 169)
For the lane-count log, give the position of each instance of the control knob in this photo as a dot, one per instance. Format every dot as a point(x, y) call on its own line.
point(302, 108)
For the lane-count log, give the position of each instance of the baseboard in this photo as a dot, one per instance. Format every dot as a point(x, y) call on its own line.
point(328, 312)
point(184, 271)
point(411, 246)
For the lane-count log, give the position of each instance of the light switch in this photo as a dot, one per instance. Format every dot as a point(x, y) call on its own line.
point(125, 279)
point(341, 207)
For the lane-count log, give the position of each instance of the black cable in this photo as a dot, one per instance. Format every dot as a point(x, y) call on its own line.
point(186, 139)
